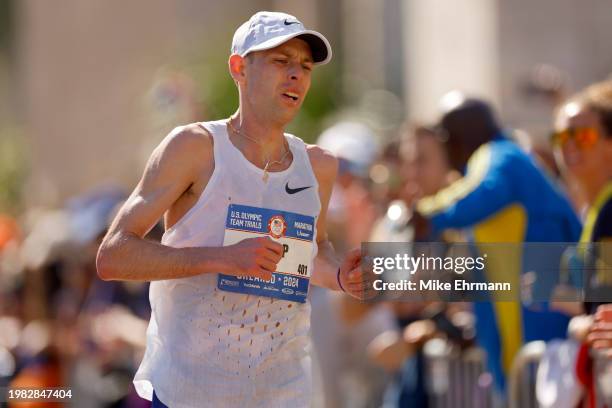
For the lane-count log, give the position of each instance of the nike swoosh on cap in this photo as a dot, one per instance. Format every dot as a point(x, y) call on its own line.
point(290, 190)
point(291, 22)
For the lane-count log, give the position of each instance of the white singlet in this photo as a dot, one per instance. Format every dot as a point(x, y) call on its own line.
point(207, 347)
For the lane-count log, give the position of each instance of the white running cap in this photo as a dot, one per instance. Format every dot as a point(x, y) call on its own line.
point(266, 29)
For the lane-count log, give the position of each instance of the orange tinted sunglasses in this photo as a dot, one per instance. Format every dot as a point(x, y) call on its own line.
point(584, 138)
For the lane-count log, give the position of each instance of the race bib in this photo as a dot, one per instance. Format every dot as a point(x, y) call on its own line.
point(293, 231)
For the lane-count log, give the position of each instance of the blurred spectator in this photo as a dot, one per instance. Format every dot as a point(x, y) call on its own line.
point(424, 171)
point(73, 330)
point(385, 174)
point(341, 327)
point(503, 197)
point(425, 164)
point(583, 148)
point(341, 333)
point(545, 85)
point(356, 147)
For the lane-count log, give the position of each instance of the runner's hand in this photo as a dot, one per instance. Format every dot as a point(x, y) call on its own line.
point(256, 257)
point(356, 278)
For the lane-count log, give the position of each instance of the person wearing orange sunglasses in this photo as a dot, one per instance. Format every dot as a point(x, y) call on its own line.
point(582, 144)
point(582, 140)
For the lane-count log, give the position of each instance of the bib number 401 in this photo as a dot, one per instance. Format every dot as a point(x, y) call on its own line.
point(302, 269)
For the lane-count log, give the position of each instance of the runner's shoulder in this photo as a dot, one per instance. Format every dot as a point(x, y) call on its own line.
point(324, 163)
point(190, 136)
point(187, 142)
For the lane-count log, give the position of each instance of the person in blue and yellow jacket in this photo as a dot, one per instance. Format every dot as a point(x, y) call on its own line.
point(503, 197)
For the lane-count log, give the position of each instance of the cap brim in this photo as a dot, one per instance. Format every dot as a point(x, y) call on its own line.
point(319, 46)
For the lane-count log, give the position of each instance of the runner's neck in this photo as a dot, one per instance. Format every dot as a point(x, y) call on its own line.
point(264, 140)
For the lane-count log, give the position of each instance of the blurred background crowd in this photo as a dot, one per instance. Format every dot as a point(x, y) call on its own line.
point(455, 121)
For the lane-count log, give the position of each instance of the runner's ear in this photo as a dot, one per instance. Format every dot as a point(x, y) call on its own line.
point(236, 66)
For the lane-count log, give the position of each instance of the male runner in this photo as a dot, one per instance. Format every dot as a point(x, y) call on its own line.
point(240, 199)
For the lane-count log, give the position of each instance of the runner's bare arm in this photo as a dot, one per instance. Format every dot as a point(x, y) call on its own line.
point(183, 158)
point(326, 264)
point(325, 167)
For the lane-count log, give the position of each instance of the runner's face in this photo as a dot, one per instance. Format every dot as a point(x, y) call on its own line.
point(277, 80)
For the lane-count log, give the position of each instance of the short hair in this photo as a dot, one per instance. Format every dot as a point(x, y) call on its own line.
point(598, 98)
point(409, 131)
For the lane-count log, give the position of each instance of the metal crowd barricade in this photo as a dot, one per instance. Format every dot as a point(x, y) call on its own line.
point(522, 378)
point(456, 378)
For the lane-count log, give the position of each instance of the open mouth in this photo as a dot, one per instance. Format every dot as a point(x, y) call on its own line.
point(291, 95)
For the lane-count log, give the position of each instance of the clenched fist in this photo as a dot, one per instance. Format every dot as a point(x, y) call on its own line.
point(355, 277)
point(256, 257)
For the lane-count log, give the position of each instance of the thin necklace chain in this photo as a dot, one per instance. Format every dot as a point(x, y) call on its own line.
point(258, 142)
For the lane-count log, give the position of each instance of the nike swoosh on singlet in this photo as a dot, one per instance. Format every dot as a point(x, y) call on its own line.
point(290, 190)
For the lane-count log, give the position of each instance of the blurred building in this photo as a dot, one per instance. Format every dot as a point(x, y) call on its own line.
point(84, 68)
point(519, 54)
